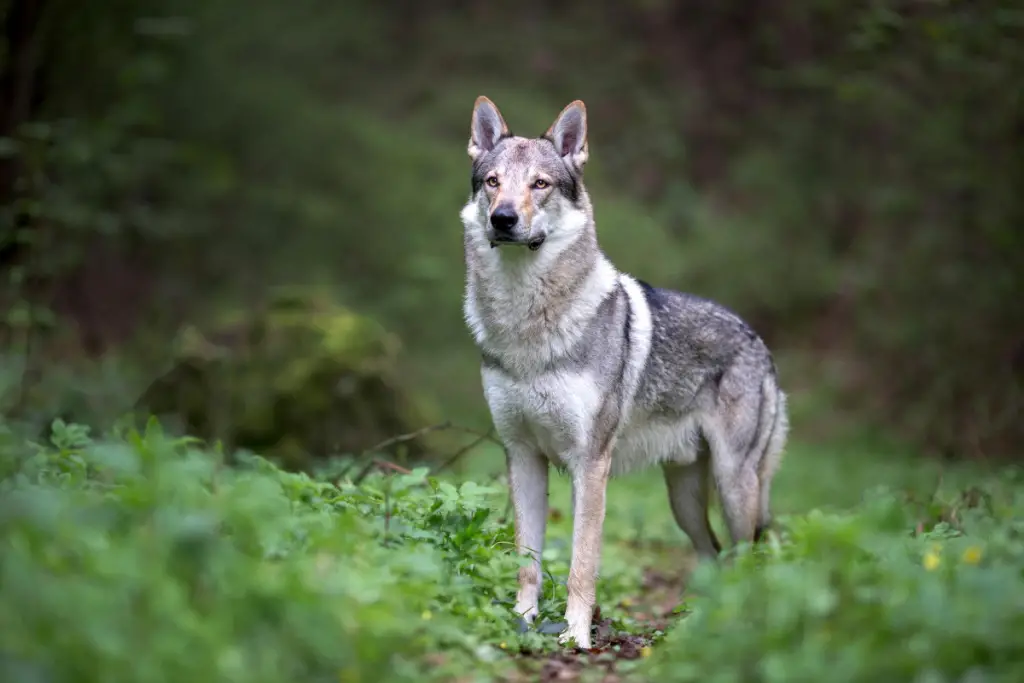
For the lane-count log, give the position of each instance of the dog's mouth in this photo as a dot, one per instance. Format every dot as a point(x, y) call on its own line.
point(532, 244)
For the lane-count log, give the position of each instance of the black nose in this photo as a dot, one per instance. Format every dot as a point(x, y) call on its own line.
point(504, 218)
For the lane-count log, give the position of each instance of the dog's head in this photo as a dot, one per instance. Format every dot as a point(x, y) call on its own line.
point(527, 191)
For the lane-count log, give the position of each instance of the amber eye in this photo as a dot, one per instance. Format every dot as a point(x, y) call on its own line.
point(540, 184)
point(492, 182)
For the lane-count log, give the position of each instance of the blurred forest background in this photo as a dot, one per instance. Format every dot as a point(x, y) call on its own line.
point(848, 176)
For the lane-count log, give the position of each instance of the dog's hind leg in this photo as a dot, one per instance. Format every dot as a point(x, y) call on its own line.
point(739, 431)
point(736, 480)
point(688, 494)
point(738, 489)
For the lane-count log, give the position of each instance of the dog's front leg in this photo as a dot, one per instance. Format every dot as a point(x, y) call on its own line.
point(590, 483)
point(528, 480)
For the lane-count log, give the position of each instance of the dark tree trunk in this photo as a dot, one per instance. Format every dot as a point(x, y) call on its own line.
point(20, 95)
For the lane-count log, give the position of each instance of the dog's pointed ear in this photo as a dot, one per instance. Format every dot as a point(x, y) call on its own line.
point(486, 128)
point(569, 133)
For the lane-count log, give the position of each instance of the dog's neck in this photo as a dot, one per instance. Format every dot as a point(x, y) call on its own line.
point(526, 309)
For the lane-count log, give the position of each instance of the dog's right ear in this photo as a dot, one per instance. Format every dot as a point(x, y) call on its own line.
point(486, 128)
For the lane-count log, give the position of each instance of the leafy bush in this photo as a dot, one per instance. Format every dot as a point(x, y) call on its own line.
point(857, 596)
point(141, 558)
point(298, 379)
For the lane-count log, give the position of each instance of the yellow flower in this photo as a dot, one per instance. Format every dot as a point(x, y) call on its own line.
point(972, 555)
point(645, 651)
point(502, 645)
point(931, 560)
point(426, 614)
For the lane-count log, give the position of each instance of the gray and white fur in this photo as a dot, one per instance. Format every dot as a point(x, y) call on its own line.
point(597, 372)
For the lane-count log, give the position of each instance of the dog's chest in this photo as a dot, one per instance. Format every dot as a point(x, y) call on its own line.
point(555, 412)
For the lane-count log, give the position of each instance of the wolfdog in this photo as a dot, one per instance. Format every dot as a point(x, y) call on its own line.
point(599, 373)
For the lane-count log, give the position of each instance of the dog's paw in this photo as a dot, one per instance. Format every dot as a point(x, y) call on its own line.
point(578, 637)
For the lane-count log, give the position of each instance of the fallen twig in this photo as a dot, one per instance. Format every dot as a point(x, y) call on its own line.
point(358, 479)
point(465, 449)
point(392, 466)
point(489, 435)
point(402, 438)
point(383, 464)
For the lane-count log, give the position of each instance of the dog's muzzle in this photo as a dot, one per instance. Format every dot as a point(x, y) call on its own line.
point(507, 229)
point(532, 244)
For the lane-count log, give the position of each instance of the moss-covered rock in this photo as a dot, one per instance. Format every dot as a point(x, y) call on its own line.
point(299, 380)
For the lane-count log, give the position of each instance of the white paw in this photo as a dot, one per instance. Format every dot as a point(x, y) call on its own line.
point(578, 634)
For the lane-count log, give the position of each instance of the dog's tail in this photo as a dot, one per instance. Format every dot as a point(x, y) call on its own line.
point(768, 448)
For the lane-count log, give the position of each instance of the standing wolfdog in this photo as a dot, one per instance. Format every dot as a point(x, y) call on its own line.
point(600, 373)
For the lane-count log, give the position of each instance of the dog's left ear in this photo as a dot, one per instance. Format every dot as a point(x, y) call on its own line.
point(569, 133)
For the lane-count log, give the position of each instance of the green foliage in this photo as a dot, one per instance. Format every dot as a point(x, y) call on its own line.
point(855, 596)
point(831, 185)
point(121, 553)
point(910, 196)
point(856, 185)
point(301, 376)
point(139, 558)
point(100, 162)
